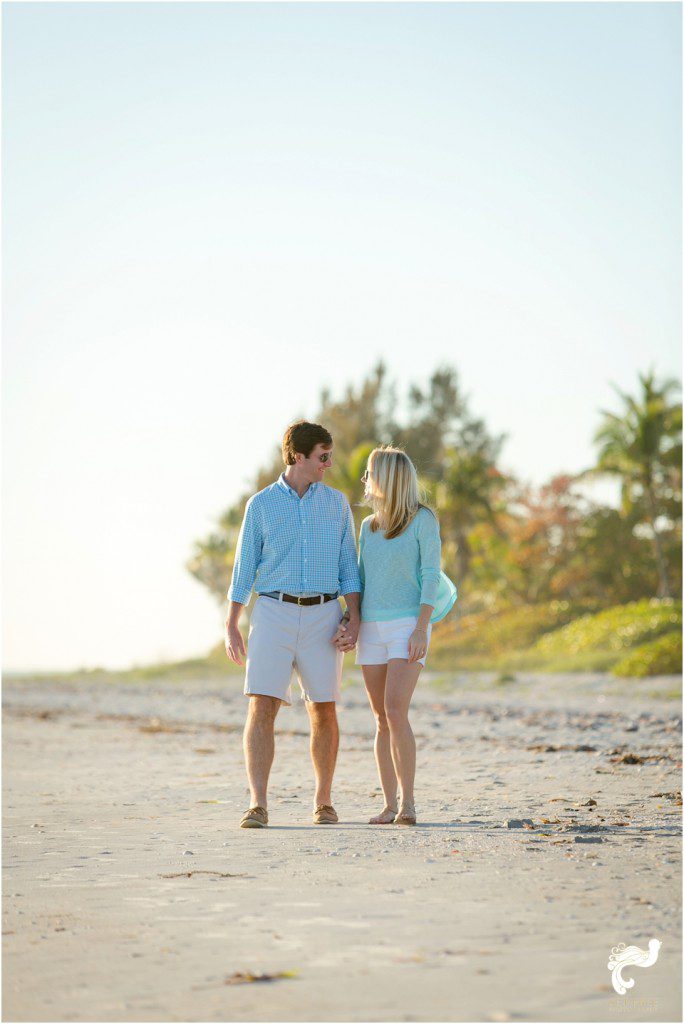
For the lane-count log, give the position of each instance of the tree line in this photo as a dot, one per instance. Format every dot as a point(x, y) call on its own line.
point(507, 543)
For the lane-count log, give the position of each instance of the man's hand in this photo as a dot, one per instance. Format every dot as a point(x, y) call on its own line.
point(235, 645)
point(347, 634)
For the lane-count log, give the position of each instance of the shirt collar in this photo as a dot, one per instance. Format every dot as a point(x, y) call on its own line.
point(282, 482)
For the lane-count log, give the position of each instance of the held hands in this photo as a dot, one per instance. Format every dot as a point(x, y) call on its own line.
point(417, 644)
point(235, 645)
point(346, 636)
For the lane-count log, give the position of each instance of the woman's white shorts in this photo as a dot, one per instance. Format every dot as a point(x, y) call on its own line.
point(285, 638)
point(380, 641)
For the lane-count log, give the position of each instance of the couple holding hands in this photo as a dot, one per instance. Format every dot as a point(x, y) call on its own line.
point(297, 551)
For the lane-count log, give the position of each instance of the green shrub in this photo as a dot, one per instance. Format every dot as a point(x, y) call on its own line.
point(499, 633)
point(661, 657)
point(615, 629)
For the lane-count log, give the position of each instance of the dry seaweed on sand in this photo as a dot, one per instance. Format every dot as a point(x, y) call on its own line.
point(201, 871)
point(244, 978)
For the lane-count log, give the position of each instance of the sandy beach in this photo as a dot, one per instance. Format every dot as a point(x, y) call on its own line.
point(131, 895)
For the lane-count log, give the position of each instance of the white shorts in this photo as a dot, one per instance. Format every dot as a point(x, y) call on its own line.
point(285, 638)
point(380, 641)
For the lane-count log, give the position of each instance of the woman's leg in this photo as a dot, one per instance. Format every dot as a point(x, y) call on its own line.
point(399, 686)
point(374, 678)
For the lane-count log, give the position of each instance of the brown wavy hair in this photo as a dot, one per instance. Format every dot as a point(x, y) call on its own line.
point(303, 437)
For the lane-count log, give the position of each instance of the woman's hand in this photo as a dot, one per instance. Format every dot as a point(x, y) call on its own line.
point(346, 635)
point(417, 644)
point(341, 630)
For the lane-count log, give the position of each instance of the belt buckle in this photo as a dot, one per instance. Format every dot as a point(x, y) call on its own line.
point(300, 600)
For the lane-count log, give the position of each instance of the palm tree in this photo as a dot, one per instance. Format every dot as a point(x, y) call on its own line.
point(643, 446)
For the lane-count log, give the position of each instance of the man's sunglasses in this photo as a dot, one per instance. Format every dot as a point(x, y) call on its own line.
point(326, 457)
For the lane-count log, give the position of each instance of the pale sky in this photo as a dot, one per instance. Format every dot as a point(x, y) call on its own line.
point(213, 210)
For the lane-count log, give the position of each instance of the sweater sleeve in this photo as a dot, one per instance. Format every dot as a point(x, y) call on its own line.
point(348, 566)
point(362, 568)
point(430, 548)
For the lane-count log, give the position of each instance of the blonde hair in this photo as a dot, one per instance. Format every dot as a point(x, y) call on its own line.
point(392, 490)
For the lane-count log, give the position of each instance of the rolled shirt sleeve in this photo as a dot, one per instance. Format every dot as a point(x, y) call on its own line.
point(430, 547)
point(349, 579)
point(247, 556)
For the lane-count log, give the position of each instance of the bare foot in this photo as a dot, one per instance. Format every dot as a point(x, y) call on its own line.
point(406, 815)
point(386, 817)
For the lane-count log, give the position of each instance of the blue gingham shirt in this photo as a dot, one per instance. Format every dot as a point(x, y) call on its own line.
point(300, 546)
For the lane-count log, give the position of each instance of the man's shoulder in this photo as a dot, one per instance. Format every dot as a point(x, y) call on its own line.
point(332, 496)
point(264, 494)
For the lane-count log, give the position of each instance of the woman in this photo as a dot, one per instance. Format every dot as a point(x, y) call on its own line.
point(399, 563)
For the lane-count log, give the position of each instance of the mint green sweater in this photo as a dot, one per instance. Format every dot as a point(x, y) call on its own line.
point(400, 574)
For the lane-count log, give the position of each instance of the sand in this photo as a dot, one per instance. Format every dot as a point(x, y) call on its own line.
point(131, 895)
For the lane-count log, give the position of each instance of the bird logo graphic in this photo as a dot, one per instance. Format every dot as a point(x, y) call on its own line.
point(622, 956)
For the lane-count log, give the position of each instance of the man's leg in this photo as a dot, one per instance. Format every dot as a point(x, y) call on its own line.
point(259, 745)
point(325, 739)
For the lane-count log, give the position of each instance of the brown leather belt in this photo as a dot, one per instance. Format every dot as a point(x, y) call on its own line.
point(291, 599)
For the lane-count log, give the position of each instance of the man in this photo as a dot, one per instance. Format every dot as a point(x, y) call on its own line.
point(297, 550)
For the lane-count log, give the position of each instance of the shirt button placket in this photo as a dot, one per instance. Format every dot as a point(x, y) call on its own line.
point(302, 519)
